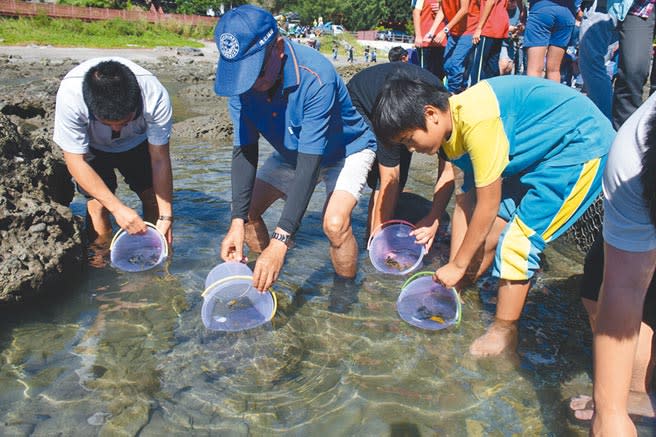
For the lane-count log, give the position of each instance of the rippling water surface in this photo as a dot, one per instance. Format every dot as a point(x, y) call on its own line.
point(128, 353)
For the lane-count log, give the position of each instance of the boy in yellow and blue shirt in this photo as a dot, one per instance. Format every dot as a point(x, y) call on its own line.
point(532, 153)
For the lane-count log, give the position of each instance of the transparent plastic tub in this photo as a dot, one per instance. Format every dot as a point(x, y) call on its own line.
point(428, 305)
point(392, 250)
point(138, 252)
point(231, 303)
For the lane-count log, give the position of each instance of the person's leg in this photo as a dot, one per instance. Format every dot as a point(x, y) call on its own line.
point(536, 39)
point(491, 63)
point(344, 183)
point(273, 180)
point(598, 33)
point(456, 60)
point(635, 36)
point(100, 225)
point(535, 62)
point(561, 34)
point(505, 60)
point(502, 333)
point(256, 234)
point(615, 340)
point(337, 227)
point(554, 60)
point(149, 205)
point(485, 62)
point(476, 72)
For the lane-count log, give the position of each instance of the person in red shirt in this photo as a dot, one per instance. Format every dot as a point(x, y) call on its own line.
point(488, 37)
point(461, 17)
point(430, 52)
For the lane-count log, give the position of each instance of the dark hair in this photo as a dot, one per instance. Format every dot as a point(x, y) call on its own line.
point(396, 54)
point(648, 172)
point(111, 91)
point(400, 106)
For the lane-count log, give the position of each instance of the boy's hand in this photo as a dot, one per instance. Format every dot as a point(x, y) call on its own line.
point(449, 275)
point(425, 232)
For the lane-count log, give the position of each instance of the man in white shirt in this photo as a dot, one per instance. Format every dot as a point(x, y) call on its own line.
point(112, 114)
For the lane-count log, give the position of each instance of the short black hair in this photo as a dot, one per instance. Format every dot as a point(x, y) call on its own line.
point(111, 91)
point(400, 106)
point(396, 54)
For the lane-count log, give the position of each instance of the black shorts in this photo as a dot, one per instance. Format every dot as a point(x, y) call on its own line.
point(593, 271)
point(403, 159)
point(133, 164)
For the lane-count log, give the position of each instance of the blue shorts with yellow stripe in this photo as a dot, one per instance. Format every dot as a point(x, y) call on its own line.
point(540, 204)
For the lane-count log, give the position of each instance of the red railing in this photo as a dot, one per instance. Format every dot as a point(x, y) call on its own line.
point(21, 8)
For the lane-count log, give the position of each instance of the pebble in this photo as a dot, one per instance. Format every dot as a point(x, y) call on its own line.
point(98, 419)
point(37, 228)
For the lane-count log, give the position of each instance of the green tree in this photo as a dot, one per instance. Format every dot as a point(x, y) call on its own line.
point(353, 14)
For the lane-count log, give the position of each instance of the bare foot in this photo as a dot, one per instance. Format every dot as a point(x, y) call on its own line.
point(98, 251)
point(499, 336)
point(638, 404)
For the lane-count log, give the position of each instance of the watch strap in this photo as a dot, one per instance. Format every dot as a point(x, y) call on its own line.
point(287, 239)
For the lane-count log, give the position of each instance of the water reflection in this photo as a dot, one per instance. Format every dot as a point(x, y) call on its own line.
point(128, 353)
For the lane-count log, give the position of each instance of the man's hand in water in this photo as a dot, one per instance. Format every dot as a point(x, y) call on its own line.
point(269, 264)
point(232, 246)
point(128, 219)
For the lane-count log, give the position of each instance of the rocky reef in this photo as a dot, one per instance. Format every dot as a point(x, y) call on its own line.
point(40, 239)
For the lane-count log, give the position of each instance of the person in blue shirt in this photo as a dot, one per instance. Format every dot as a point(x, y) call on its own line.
point(292, 96)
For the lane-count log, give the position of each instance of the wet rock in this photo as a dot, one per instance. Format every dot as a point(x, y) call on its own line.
point(189, 51)
point(98, 419)
point(41, 242)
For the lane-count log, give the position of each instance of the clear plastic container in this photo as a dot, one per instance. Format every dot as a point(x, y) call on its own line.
point(138, 252)
point(231, 303)
point(428, 305)
point(225, 270)
point(393, 250)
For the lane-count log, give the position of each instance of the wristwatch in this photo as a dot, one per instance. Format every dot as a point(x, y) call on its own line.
point(287, 239)
point(446, 30)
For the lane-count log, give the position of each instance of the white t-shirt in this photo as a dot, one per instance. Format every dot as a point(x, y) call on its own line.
point(627, 225)
point(76, 130)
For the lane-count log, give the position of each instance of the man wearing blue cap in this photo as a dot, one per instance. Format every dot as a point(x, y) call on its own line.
point(293, 97)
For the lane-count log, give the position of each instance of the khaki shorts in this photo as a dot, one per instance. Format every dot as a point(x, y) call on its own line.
point(349, 174)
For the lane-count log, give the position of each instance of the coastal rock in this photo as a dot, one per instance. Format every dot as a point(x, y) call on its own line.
point(40, 240)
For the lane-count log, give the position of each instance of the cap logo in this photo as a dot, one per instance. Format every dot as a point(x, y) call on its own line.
point(266, 37)
point(228, 45)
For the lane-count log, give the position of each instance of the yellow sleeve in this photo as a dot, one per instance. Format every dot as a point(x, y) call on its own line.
point(488, 147)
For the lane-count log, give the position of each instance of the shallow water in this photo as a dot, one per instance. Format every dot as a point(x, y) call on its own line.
point(128, 353)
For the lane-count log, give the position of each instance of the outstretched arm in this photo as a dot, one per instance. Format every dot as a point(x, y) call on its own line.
point(270, 262)
point(244, 166)
point(485, 212)
point(160, 161)
point(91, 182)
point(427, 226)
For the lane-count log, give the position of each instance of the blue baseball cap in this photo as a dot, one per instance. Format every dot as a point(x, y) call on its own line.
point(242, 35)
